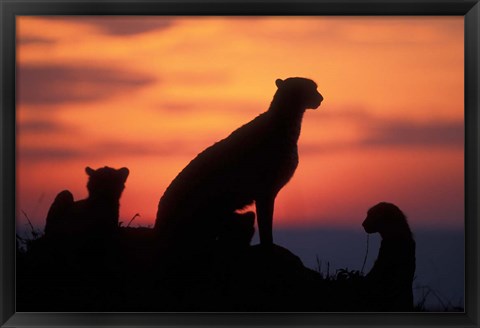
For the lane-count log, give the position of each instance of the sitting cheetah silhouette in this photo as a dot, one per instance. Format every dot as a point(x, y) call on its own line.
point(250, 166)
point(97, 214)
point(389, 282)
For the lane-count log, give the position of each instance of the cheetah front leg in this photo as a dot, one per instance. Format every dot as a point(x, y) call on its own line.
point(264, 206)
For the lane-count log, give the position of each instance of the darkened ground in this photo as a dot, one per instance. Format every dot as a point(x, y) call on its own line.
point(125, 273)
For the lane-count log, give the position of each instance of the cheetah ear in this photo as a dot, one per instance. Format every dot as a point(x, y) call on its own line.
point(89, 171)
point(124, 173)
point(278, 82)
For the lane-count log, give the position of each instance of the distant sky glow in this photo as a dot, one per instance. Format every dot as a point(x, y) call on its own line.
point(150, 93)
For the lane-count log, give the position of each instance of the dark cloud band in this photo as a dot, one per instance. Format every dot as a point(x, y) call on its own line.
point(56, 84)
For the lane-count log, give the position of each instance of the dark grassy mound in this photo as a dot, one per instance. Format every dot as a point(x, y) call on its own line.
point(125, 272)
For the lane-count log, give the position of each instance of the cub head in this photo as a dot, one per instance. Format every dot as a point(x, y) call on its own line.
point(298, 92)
point(386, 219)
point(106, 183)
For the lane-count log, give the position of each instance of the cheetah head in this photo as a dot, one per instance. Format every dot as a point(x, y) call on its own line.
point(299, 92)
point(386, 219)
point(106, 183)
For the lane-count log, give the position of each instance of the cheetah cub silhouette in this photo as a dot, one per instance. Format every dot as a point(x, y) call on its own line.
point(250, 166)
point(389, 282)
point(97, 214)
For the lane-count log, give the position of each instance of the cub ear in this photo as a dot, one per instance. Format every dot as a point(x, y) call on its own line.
point(278, 82)
point(89, 171)
point(124, 173)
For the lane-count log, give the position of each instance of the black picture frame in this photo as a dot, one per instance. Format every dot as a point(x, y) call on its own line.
point(9, 9)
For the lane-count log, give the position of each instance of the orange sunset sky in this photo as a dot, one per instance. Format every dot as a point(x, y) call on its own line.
point(149, 93)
